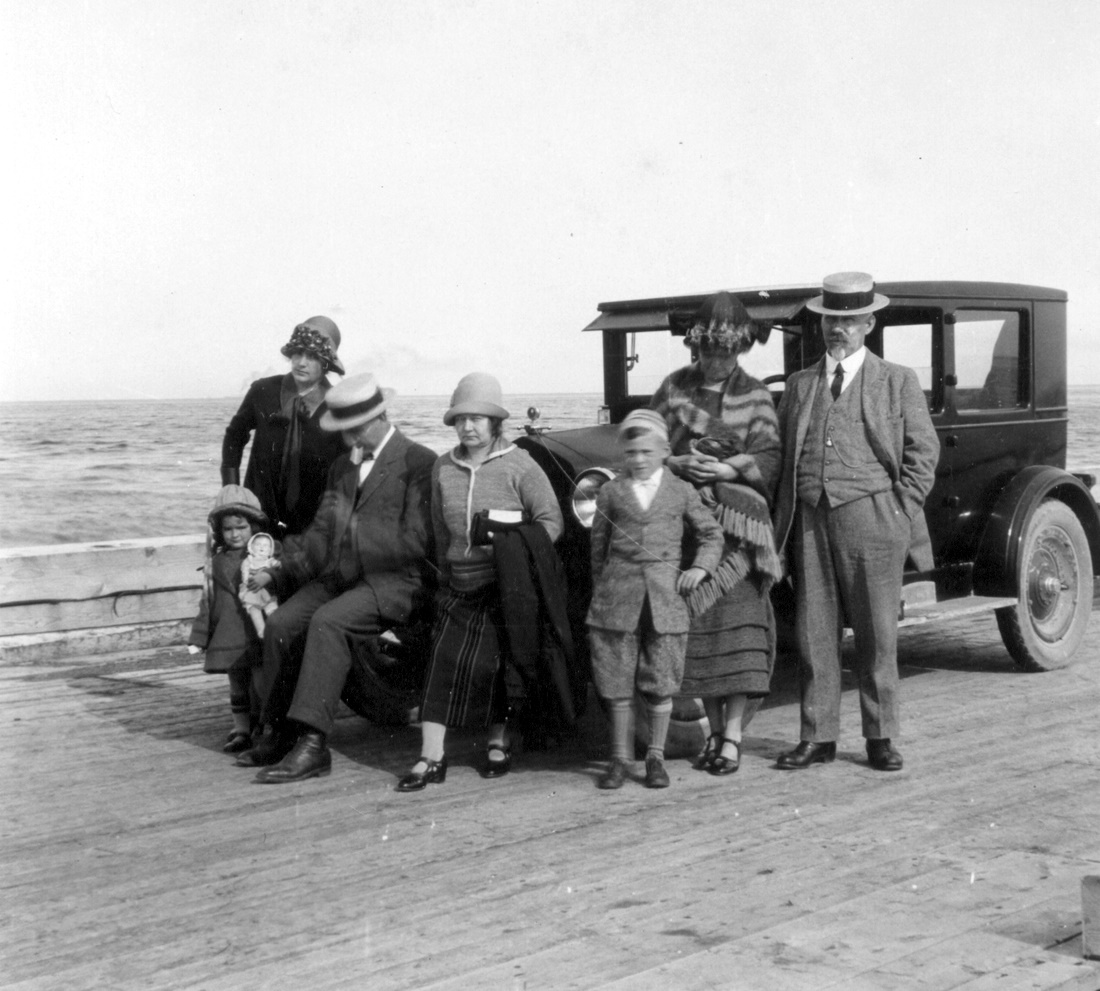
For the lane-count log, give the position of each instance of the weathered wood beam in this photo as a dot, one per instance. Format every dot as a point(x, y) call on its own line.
point(112, 610)
point(63, 572)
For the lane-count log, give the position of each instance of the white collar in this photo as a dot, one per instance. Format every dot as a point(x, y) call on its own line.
point(852, 364)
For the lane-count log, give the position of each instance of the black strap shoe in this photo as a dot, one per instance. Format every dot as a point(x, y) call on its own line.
point(805, 754)
point(882, 756)
point(723, 764)
point(310, 758)
point(434, 773)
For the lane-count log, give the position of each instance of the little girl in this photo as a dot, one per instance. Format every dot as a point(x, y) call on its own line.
point(222, 627)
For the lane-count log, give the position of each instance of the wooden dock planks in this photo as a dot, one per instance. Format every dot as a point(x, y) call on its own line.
point(135, 855)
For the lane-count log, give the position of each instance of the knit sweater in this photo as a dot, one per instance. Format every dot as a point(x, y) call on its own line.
point(508, 479)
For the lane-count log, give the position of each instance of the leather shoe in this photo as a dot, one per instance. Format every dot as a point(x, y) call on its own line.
point(310, 758)
point(655, 774)
point(805, 754)
point(726, 765)
point(434, 773)
point(274, 745)
point(237, 741)
point(882, 756)
point(613, 777)
point(708, 753)
point(496, 768)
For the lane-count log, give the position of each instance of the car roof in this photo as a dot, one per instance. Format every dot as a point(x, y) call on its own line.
point(771, 303)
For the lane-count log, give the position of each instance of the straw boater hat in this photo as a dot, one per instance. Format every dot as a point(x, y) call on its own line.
point(236, 500)
point(645, 419)
point(477, 394)
point(319, 336)
point(353, 402)
point(847, 294)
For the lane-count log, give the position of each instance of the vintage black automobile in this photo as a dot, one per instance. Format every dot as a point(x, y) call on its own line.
point(1012, 530)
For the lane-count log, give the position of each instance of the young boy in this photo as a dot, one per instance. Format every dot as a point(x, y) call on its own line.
point(638, 620)
point(222, 627)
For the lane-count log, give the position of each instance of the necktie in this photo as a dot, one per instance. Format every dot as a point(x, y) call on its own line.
point(838, 381)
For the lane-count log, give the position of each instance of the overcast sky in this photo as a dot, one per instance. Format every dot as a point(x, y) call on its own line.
point(458, 184)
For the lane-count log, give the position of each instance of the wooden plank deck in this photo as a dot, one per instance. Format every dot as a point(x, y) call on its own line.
point(136, 855)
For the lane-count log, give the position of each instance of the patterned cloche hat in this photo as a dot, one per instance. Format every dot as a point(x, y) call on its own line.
point(722, 324)
point(319, 336)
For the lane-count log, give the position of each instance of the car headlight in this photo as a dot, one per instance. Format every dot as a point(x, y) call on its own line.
point(585, 487)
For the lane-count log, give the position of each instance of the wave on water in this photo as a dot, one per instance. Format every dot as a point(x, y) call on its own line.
point(155, 469)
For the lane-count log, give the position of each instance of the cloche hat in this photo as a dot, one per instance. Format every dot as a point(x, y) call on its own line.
point(723, 324)
point(477, 394)
point(236, 500)
point(847, 294)
point(319, 336)
point(353, 402)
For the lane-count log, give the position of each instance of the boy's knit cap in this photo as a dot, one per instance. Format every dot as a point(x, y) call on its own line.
point(645, 419)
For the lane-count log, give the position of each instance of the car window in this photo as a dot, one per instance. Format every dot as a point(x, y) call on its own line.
point(764, 360)
point(655, 355)
point(910, 342)
point(988, 360)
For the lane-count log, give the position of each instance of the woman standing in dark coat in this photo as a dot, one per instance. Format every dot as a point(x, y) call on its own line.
point(291, 454)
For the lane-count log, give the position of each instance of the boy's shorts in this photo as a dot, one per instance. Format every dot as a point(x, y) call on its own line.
point(651, 662)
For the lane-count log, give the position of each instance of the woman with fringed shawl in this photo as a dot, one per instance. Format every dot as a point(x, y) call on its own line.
point(724, 436)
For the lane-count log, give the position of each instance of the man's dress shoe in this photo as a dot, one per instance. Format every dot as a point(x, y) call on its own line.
point(882, 756)
point(805, 754)
point(310, 758)
point(273, 746)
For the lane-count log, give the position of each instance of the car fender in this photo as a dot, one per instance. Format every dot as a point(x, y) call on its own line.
point(997, 563)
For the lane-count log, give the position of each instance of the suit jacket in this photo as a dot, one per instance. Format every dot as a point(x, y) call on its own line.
point(638, 551)
point(388, 519)
point(260, 415)
point(899, 429)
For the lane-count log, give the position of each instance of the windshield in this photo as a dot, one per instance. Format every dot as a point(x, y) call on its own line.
point(652, 356)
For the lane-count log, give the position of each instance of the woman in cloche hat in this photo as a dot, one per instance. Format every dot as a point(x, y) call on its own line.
point(466, 679)
point(291, 454)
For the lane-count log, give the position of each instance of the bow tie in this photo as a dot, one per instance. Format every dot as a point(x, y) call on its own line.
point(358, 455)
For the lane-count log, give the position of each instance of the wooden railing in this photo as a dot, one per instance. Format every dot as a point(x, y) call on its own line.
point(69, 599)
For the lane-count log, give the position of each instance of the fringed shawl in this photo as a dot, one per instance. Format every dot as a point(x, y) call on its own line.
point(740, 420)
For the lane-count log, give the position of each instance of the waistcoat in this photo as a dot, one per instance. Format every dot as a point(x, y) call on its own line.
point(837, 459)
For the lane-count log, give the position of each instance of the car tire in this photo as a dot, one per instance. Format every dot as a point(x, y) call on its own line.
point(1055, 581)
point(687, 730)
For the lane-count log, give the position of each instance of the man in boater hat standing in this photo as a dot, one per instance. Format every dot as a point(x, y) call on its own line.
point(360, 567)
point(859, 459)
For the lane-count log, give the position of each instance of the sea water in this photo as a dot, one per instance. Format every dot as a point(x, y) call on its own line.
point(75, 472)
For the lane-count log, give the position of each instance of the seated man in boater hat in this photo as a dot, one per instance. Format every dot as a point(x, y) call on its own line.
point(361, 570)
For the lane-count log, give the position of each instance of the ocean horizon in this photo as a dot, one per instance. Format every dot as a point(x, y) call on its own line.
point(136, 468)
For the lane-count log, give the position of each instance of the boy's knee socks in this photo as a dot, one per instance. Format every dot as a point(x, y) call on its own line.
point(660, 715)
point(620, 714)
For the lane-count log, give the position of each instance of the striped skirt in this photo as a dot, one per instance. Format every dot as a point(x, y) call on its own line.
point(466, 682)
point(731, 647)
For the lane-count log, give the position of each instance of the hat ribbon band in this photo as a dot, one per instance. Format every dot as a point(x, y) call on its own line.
point(356, 409)
point(847, 300)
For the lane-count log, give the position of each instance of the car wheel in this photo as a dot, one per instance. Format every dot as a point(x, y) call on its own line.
point(687, 730)
point(1046, 626)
